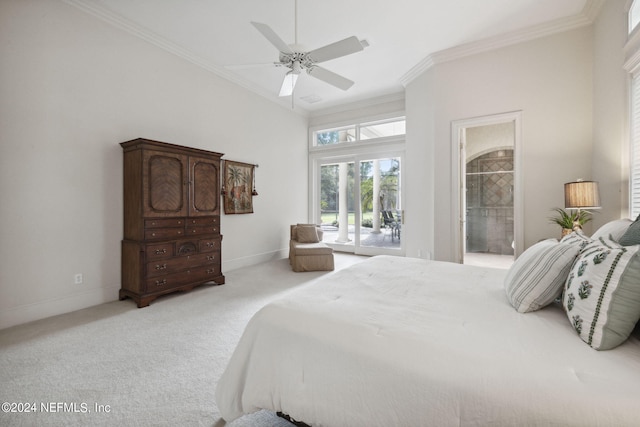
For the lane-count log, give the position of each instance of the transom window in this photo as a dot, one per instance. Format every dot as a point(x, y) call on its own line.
point(360, 132)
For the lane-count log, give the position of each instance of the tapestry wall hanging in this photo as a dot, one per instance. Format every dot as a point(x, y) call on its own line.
point(238, 187)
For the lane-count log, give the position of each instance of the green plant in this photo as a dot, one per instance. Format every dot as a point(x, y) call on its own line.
point(569, 219)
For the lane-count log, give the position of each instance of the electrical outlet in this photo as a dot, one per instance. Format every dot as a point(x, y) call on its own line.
point(78, 279)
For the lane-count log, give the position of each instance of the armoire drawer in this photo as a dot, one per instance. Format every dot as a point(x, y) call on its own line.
point(163, 233)
point(168, 281)
point(202, 221)
point(208, 245)
point(159, 251)
point(164, 222)
point(201, 231)
point(179, 263)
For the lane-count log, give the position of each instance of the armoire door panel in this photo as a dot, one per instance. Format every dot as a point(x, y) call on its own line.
point(204, 184)
point(165, 181)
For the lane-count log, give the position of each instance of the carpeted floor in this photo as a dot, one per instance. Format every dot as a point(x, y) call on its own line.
point(117, 365)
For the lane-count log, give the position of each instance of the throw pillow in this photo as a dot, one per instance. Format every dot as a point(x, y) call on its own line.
point(536, 278)
point(307, 234)
point(613, 230)
point(632, 235)
point(576, 238)
point(602, 293)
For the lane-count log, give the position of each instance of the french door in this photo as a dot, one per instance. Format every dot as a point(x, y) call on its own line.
point(358, 201)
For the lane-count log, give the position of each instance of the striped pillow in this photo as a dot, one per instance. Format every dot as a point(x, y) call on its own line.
point(602, 293)
point(536, 278)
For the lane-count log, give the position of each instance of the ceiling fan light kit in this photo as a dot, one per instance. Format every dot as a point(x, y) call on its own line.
point(289, 83)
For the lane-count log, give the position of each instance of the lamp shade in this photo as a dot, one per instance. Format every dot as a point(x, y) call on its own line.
point(581, 195)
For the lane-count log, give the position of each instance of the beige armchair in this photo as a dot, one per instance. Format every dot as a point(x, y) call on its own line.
point(306, 250)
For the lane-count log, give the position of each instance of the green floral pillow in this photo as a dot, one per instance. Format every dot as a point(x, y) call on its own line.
point(602, 293)
point(577, 238)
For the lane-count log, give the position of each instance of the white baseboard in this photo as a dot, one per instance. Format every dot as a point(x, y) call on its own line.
point(55, 306)
point(234, 264)
point(79, 300)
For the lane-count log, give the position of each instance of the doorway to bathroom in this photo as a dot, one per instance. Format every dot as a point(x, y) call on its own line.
point(488, 183)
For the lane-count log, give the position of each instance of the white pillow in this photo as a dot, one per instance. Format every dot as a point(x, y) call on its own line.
point(536, 278)
point(602, 293)
point(613, 230)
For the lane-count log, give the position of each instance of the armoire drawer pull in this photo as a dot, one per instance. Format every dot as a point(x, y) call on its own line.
point(161, 282)
point(161, 251)
point(161, 267)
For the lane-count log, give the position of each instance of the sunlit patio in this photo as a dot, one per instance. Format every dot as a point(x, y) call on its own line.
point(386, 238)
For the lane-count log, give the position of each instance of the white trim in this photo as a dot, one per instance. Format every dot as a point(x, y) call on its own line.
point(632, 52)
point(518, 204)
point(247, 261)
point(318, 117)
point(55, 306)
point(586, 17)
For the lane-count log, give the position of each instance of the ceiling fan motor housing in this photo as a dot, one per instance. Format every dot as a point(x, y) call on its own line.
point(296, 61)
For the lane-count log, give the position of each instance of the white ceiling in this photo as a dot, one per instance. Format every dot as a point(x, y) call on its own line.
point(403, 35)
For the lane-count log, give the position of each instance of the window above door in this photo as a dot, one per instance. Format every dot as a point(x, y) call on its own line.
point(374, 131)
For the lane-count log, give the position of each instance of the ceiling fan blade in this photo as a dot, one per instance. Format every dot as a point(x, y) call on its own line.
point(288, 83)
point(257, 65)
point(270, 35)
point(336, 50)
point(330, 77)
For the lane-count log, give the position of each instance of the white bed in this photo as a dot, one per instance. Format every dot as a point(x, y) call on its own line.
point(406, 342)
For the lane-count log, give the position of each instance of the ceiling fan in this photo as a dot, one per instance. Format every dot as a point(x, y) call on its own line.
point(296, 59)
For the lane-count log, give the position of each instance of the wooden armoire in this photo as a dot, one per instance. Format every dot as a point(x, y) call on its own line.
point(172, 239)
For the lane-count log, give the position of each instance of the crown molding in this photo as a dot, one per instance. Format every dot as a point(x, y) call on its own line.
point(149, 36)
point(585, 18)
point(592, 9)
point(391, 98)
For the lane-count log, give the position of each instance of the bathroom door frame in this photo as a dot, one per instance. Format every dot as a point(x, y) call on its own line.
point(458, 170)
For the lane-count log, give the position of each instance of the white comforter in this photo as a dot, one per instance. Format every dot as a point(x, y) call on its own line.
point(405, 342)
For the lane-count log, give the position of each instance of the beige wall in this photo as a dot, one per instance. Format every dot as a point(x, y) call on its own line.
point(550, 81)
point(72, 88)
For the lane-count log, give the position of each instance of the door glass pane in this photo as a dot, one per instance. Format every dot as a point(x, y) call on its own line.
point(381, 221)
point(490, 203)
point(337, 202)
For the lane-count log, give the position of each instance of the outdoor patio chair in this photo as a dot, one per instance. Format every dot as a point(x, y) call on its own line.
point(392, 224)
point(307, 252)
